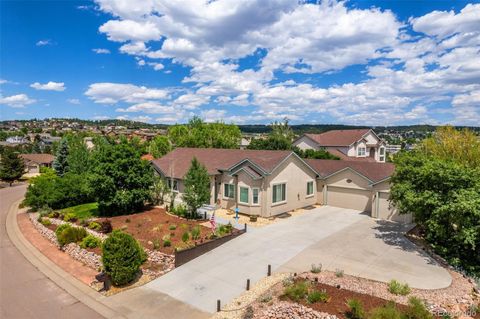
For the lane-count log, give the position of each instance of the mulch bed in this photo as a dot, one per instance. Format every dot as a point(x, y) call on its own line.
point(153, 224)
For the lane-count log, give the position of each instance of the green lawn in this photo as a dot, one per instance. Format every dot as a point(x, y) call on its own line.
point(83, 211)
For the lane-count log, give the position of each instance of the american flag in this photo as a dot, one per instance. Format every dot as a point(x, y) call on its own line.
point(212, 222)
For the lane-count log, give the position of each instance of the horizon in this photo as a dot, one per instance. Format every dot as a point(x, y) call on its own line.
point(354, 63)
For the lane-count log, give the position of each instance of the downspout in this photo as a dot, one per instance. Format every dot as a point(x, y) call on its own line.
point(235, 178)
point(325, 194)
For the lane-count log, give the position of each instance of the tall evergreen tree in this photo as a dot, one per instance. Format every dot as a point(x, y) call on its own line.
point(12, 166)
point(61, 161)
point(197, 186)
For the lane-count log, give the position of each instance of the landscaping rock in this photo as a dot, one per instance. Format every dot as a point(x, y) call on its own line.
point(287, 310)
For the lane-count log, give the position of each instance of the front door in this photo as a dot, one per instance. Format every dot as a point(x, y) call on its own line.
point(372, 152)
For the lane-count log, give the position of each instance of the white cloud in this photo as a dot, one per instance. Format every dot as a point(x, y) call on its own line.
point(125, 30)
point(74, 101)
point(42, 43)
point(111, 93)
point(101, 51)
point(149, 107)
point(405, 73)
point(19, 100)
point(50, 86)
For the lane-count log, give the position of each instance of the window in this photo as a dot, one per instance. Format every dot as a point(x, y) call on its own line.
point(382, 154)
point(229, 191)
point(243, 195)
point(279, 192)
point(175, 184)
point(310, 188)
point(255, 196)
point(361, 151)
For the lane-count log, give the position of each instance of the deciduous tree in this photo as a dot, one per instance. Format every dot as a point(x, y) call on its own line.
point(197, 187)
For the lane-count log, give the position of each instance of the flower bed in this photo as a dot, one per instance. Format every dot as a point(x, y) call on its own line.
point(157, 264)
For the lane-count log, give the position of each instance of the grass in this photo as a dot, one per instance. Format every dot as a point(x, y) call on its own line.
point(398, 288)
point(83, 211)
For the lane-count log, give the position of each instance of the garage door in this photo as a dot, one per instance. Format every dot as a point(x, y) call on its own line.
point(349, 198)
point(387, 211)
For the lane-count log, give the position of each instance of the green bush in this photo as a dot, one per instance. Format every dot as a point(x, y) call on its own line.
point(46, 222)
point(122, 257)
point(196, 232)
point(397, 288)
point(70, 217)
point(297, 291)
point(71, 235)
point(185, 236)
point(167, 243)
point(53, 214)
point(91, 242)
point(50, 190)
point(355, 309)
point(416, 310)
point(339, 273)
point(156, 244)
point(317, 296)
point(389, 311)
point(61, 228)
point(172, 227)
point(94, 226)
point(180, 210)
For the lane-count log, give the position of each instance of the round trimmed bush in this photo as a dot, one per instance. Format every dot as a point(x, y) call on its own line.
point(70, 235)
point(122, 257)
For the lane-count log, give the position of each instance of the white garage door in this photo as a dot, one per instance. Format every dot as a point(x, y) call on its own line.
point(387, 211)
point(349, 198)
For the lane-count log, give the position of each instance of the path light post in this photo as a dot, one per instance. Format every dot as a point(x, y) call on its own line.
point(218, 305)
point(248, 284)
point(269, 271)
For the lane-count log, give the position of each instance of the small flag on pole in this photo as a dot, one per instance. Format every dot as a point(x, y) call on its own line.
point(212, 222)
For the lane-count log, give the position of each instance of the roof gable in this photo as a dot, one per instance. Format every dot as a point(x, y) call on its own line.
point(338, 137)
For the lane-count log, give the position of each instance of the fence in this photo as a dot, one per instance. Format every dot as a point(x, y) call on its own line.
point(184, 256)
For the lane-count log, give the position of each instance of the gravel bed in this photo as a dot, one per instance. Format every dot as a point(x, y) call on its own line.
point(287, 310)
point(456, 298)
point(93, 260)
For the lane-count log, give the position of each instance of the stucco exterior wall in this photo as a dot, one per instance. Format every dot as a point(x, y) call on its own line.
point(342, 180)
point(295, 174)
point(305, 143)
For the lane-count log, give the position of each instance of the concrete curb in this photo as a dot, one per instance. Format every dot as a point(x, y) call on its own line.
point(64, 280)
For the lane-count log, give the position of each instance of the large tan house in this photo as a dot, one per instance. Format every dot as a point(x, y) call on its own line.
point(359, 144)
point(269, 183)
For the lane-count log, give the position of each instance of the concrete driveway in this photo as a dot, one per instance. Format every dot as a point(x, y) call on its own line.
point(336, 237)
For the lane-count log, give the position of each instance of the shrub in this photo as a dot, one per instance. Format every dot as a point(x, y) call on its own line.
point(229, 227)
point(316, 268)
point(46, 222)
point(70, 217)
point(388, 311)
point(416, 310)
point(297, 291)
point(266, 297)
point(355, 309)
point(106, 226)
point(288, 281)
point(53, 214)
point(397, 288)
point(179, 210)
point(172, 227)
point(61, 228)
point(196, 232)
point(83, 222)
point(317, 296)
point(185, 237)
point(156, 244)
point(90, 242)
point(167, 243)
point(95, 226)
point(122, 257)
point(71, 235)
point(339, 273)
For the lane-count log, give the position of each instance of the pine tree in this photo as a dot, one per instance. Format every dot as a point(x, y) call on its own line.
point(197, 186)
point(12, 166)
point(61, 161)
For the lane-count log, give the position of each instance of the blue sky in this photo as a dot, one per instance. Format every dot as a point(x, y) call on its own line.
point(242, 61)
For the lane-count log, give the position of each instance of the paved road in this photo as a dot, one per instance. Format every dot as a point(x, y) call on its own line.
point(318, 236)
point(25, 292)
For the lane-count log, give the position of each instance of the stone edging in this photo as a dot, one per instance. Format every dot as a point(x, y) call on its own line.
point(58, 276)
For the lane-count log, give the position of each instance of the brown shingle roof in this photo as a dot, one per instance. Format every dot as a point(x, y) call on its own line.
point(38, 158)
point(178, 161)
point(338, 137)
point(373, 171)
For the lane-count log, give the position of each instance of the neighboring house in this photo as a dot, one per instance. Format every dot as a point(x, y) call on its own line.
point(16, 140)
point(269, 183)
point(359, 144)
point(393, 149)
point(33, 162)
